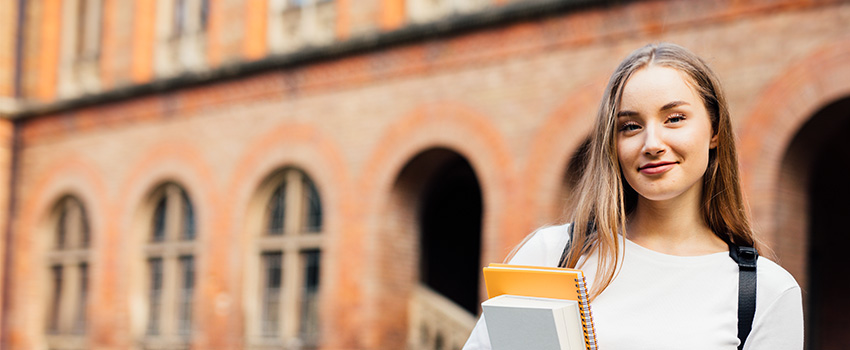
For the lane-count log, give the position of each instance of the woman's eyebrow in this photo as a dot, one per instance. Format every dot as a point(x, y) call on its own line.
point(673, 104)
point(626, 114)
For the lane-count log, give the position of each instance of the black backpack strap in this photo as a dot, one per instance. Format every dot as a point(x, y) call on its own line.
point(746, 258)
point(562, 262)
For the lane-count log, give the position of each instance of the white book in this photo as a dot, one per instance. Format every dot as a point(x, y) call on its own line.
point(521, 323)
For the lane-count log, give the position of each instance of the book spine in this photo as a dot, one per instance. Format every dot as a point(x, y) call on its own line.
point(586, 316)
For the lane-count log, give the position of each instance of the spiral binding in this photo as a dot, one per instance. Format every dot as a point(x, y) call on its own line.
point(586, 315)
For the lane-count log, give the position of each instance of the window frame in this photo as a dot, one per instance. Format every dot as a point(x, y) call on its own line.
point(289, 246)
point(164, 323)
point(68, 272)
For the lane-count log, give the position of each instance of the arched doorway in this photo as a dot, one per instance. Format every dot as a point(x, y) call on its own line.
point(437, 200)
point(829, 195)
point(450, 233)
point(814, 181)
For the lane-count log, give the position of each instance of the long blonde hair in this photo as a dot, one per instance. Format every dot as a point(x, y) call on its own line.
point(603, 199)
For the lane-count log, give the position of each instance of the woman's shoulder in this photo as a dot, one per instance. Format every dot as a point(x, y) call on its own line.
point(773, 280)
point(774, 274)
point(543, 247)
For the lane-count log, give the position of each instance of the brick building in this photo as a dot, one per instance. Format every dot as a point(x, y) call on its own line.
point(219, 174)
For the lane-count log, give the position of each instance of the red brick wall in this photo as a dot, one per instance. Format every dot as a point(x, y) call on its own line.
point(392, 14)
point(255, 22)
point(32, 51)
point(226, 32)
point(44, 64)
point(6, 149)
point(515, 101)
point(8, 34)
point(116, 32)
point(144, 37)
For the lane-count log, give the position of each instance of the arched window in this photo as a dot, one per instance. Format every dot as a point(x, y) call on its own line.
point(170, 268)
point(289, 248)
point(68, 275)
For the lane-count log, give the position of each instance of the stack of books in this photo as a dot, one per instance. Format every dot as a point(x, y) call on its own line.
point(532, 307)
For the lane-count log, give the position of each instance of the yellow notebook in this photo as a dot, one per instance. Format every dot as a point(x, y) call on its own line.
point(543, 282)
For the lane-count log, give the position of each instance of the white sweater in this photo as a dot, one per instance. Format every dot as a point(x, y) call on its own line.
point(660, 301)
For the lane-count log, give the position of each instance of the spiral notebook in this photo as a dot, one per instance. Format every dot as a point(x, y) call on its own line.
point(543, 282)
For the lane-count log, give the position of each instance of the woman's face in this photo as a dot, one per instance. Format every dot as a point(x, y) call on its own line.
point(663, 134)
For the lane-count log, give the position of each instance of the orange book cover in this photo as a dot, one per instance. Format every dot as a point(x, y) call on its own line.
point(533, 281)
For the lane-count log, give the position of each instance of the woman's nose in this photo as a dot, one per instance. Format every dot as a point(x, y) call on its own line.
point(653, 143)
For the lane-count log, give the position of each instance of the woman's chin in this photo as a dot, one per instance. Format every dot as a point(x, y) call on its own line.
point(661, 195)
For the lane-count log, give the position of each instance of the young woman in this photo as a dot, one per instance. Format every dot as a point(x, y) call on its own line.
point(656, 211)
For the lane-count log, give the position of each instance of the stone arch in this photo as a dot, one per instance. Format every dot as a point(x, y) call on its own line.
point(169, 162)
point(813, 200)
point(554, 146)
point(433, 217)
point(779, 113)
point(304, 147)
point(74, 175)
point(438, 125)
point(797, 116)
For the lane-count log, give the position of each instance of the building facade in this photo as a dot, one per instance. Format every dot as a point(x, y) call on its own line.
point(332, 174)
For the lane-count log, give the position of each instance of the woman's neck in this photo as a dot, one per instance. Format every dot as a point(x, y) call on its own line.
point(673, 226)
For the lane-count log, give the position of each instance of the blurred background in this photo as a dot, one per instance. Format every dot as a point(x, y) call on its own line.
point(333, 174)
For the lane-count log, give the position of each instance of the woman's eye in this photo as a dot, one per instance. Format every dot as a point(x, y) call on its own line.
point(629, 127)
point(676, 118)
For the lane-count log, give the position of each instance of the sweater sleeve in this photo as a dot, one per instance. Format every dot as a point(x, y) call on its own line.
point(781, 325)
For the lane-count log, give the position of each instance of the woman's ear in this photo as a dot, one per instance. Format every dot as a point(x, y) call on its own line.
point(713, 143)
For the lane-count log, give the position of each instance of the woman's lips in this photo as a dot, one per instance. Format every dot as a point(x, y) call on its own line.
point(656, 168)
